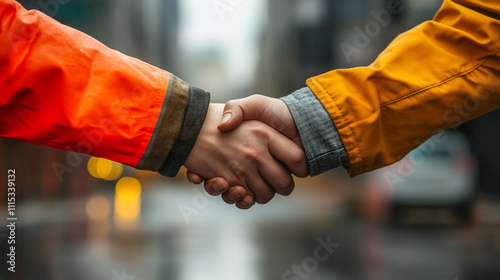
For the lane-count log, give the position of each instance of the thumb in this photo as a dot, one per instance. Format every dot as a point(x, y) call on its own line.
point(235, 111)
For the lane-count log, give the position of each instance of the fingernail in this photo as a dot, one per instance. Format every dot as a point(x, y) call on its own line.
point(217, 187)
point(234, 196)
point(225, 118)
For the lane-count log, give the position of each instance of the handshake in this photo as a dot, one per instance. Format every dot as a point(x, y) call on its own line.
point(247, 150)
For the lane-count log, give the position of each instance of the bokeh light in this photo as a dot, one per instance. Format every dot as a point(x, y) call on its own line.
point(127, 202)
point(98, 208)
point(104, 169)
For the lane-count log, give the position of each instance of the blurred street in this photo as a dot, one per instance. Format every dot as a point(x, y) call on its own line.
point(57, 240)
point(85, 218)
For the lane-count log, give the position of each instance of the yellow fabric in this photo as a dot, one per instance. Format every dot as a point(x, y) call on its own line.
point(433, 77)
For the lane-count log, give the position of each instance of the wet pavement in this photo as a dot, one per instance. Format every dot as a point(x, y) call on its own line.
point(184, 234)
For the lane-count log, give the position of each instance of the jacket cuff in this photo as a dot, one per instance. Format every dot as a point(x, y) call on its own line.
point(168, 124)
point(322, 144)
point(194, 118)
point(183, 111)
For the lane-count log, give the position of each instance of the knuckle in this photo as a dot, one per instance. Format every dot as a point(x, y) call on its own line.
point(263, 133)
point(257, 96)
point(237, 169)
point(260, 130)
point(230, 104)
point(251, 154)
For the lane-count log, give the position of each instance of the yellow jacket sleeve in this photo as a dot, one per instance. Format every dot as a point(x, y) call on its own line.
point(431, 78)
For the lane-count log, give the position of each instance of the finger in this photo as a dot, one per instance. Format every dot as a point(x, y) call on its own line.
point(278, 177)
point(245, 203)
point(216, 186)
point(234, 194)
point(237, 110)
point(194, 178)
point(274, 173)
point(248, 201)
point(286, 151)
point(253, 181)
point(262, 190)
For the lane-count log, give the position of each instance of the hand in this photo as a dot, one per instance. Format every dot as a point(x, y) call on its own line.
point(246, 156)
point(219, 186)
point(271, 111)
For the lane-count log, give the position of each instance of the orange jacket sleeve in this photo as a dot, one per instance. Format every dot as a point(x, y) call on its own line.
point(433, 77)
point(61, 88)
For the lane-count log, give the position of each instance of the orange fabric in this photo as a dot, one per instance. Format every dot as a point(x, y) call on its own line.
point(433, 77)
point(61, 88)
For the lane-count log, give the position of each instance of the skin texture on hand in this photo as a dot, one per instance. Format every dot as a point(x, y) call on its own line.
point(271, 111)
point(249, 156)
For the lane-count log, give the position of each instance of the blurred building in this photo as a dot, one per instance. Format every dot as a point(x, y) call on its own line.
point(68, 229)
point(146, 29)
point(305, 38)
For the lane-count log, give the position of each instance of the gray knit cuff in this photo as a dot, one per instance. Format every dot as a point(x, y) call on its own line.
point(322, 144)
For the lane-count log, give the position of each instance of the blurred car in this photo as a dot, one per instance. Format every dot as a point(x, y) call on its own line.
point(439, 174)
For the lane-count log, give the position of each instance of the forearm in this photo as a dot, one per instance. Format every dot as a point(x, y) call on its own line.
point(433, 77)
point(61, 88)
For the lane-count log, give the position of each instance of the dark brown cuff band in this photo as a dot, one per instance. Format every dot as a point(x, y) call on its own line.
point(193, 121)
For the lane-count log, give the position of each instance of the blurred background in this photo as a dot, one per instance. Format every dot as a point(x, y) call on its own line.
point(434, 215)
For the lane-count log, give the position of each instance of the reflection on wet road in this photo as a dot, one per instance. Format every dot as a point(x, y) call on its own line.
point(184, 234)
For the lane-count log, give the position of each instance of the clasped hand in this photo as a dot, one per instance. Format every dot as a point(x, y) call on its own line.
point(249, 155)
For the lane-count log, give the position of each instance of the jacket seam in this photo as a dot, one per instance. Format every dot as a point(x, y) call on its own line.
point(461, 74)
point(336, 151)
